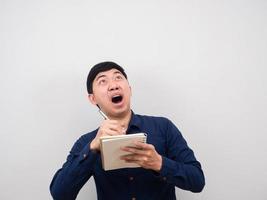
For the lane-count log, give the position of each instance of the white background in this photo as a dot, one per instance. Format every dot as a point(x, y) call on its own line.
point(202, 64)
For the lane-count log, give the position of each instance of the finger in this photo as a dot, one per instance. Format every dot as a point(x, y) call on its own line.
point(144, 146)
point(110, 132)
point(108, 122)
point(134, 157)
point(134, 150)
point(141, 163)
point(114, 127)
point(123, 130)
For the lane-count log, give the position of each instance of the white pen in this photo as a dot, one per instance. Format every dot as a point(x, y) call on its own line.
point(106, 118)
point(103, 114)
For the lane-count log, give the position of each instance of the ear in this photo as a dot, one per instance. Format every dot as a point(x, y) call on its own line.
point(91, 98)
point(130, 90)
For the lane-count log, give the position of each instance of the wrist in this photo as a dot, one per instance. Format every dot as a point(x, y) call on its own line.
point(159, 164)
point(93, 146)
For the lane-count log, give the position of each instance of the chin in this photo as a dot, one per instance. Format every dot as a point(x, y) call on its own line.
point(121, 112)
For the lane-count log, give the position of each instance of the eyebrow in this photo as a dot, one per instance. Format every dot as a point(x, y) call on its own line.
point(117, 72)
point(103, 75)
point(100, 76)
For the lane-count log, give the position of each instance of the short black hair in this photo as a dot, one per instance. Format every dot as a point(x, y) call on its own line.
point(101, 67)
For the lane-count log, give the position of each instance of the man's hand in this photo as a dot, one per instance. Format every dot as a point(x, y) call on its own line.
point(108, 127)
point(144, 155)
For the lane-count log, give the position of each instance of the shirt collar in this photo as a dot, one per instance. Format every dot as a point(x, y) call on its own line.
point(135, 121)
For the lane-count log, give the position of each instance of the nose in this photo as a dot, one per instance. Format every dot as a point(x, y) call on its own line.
point(113, 86)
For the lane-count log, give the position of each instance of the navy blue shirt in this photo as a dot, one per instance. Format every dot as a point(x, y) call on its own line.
point(179, 167)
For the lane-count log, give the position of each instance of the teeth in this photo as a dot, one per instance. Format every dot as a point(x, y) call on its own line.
point(116, 96)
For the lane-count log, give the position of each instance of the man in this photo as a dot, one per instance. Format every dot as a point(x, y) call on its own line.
point(165, 160)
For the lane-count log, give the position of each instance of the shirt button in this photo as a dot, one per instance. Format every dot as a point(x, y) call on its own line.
point(131, 178)
point(164, 178)
point(84, 155)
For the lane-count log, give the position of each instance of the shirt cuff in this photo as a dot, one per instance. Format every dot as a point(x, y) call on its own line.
point(169, 167)
point(87, 153)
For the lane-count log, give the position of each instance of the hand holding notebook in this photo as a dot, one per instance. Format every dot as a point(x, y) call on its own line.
point(110, 147)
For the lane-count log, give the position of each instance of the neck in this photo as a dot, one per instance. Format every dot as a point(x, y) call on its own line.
point(124, 120)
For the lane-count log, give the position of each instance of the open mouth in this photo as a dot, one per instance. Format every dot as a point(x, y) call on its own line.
point(116, 99)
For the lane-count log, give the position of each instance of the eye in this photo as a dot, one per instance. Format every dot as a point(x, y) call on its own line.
point(102, 81)
point(118, 77)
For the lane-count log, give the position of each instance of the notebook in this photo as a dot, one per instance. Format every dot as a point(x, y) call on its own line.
point(111, 152)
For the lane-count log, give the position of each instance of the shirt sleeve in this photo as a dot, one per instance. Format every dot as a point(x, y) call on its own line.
point(180, 166)
point(75, 172)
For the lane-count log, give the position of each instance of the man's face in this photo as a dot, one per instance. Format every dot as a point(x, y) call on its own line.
point(112, 92)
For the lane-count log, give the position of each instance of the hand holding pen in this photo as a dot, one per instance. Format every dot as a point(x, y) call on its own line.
point(103, 114)
point(107, 128)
